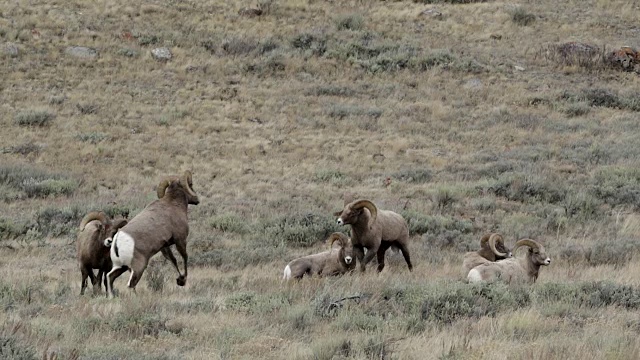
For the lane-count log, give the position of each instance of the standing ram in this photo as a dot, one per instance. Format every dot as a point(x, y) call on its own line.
point(492, 249)
point(91, 251)
point(519, 270)
point(161, 224)
point(333, 262)
point(374, 230)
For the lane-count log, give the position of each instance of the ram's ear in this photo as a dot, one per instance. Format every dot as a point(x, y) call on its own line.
point(337, 213)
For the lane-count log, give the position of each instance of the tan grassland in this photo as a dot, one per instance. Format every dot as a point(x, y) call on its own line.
point(464, 124)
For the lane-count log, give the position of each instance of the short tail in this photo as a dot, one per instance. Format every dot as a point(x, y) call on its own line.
point(287, 273)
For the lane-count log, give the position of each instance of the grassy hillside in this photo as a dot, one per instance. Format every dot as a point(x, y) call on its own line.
point(466, 122)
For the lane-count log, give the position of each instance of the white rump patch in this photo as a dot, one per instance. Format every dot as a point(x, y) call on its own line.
point(287, 273)
point(124, 244)
point(474, 276)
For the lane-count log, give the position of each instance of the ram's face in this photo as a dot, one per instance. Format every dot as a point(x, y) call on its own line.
point(503, 249)
point(348, 252)
point(348, 216)
point(539, 256)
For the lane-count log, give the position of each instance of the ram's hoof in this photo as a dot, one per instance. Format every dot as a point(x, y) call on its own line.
point(181, 281)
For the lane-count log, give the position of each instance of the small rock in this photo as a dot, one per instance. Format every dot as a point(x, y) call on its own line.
point(10, 49)
point(162, 54)
point(81, 52)
point(519, 68)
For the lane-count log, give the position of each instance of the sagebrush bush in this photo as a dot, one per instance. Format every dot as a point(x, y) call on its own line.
point(296, 230)
point(34, 118)
point(520, 16)
point(35, 182)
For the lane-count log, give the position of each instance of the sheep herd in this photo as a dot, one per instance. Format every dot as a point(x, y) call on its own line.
point(114, 247)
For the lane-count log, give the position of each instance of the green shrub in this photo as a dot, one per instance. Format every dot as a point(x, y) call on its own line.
point(296, 230)
point(472, 301)
point(34, 118)
point(617, 186)
point(230, 223)
point(522, 17)
point(417, 176)
point(34, 182)
point(315, 44)
point(13, 349)
point(349, 22)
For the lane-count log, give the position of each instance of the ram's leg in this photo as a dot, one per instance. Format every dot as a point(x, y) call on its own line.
point(98, 285)
point(85, 275)
point(358, 251)
point(380, 253)
point(112, 276)
point(181, 246)
point(137, 269)
point(371, 252)
point(405, 253)
point(169, 255)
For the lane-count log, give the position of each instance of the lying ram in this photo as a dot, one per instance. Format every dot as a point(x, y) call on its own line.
point(336, 261)
point(161, 224)
point(374, 230)
point(514, 270)
point(492, 249)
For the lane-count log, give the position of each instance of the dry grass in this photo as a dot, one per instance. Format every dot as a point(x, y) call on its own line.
point(279, 116)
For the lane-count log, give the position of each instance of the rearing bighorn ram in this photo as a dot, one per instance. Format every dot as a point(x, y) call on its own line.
point(161, 224)
point(376, 230)
point(92, 253)
point(491, 249)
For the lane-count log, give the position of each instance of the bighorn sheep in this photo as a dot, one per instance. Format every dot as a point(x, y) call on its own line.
point(376, 230)
point(514, 270)
point(491, 249)
point(336, 261)
point(161, 224)
point(92, 253)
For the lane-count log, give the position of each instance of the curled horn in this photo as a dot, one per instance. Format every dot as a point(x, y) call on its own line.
point(526, 242)
point(369, 205)
point(335, 237)
point(118, 224)
point(187, 182)
point(162, 187)
point(94, 215)
point(492, 244)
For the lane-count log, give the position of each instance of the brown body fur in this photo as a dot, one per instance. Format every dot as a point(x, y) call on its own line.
point(376, 230)
point(161, 224)
point(91, 251)
point(485, 254)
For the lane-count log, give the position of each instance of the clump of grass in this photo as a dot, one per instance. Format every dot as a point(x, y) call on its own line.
point(520, 16)
point(34, 118)
point(330, 176)
point(314, 44)
point(22, 149)
point(58, 221)
point(227, 259)
point(330, 90)
point(617, 186)
point(12, 348)
point(34, 182)
point(87, 108)
point(416, 176)
point(518, 187)
point(297, 229)
point(577, 109)
point(92, 137)
point(448, 1)
point(435, 225)
point(155, 278)
point(239, 46)
point(342, 111)
point(230, 222)
point(352, 22)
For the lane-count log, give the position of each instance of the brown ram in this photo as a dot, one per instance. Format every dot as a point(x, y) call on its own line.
point(374, 230)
